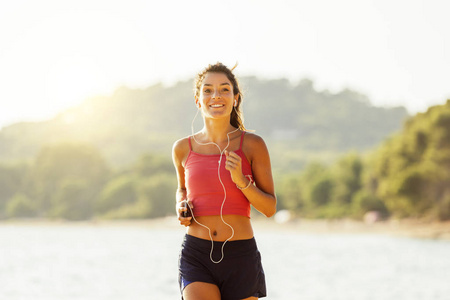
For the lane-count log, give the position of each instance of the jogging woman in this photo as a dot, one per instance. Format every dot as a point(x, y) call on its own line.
point(222, 170)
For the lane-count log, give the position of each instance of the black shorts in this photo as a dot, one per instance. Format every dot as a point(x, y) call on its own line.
point(239, 275)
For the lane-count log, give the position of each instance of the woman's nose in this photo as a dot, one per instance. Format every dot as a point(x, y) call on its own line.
point(216, 94)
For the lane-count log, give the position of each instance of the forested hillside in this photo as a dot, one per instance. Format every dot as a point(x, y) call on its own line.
point(411, 171)
point(408, 175)
point(110, 157)
point(294, 119)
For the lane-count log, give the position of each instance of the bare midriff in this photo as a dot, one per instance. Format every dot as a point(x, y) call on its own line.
point(220, 231)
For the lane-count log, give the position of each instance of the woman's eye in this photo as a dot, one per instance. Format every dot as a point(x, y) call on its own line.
point(226, 90)
point(207, 91)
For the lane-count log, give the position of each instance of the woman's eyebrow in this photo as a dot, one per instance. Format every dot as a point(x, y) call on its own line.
point(225, 83)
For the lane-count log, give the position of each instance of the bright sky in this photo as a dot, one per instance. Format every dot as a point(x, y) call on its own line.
point(54, 54)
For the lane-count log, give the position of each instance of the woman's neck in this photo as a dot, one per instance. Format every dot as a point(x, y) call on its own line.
point(216, 131)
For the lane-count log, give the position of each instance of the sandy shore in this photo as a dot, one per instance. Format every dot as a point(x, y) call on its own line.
point(405, 228)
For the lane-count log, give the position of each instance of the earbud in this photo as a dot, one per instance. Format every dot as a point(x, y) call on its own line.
point(235, 102)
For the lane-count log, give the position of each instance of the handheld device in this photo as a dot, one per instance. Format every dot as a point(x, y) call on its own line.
point(187, 213)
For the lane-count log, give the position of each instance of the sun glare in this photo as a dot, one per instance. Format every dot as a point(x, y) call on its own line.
point(56, 62)
point(72, 79)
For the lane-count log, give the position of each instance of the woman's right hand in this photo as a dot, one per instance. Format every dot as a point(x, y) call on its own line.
point(184, 212)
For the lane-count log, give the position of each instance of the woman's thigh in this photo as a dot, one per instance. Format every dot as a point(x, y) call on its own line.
point(201, 291)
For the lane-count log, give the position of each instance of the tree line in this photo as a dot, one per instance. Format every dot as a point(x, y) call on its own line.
point(74, 182)
point(408, 175)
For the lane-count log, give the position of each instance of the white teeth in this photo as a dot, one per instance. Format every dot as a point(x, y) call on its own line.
point(216, 105)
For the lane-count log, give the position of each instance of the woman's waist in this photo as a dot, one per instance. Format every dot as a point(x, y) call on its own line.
point(242, 228)
point(232, 248)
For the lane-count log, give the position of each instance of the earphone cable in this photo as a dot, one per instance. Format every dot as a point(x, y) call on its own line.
point(224, 190)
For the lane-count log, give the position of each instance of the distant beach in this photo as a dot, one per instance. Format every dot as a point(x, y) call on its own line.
point(403, 227)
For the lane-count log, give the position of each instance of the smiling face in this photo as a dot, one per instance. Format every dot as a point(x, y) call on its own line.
point(216, 97)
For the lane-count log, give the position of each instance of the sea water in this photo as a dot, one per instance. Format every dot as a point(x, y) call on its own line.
point(89, 261)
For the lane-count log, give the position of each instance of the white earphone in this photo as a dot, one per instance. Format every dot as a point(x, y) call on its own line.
point(222, 151)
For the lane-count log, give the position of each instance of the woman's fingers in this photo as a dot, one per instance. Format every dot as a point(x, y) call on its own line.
point(185, 212)
point(185, 221)
point(233, 161)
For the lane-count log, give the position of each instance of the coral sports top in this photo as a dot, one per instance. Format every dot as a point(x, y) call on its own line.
point(204, 189)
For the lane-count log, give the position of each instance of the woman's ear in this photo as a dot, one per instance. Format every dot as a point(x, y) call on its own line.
point(197, 103)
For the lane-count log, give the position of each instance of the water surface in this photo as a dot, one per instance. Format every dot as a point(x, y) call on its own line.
point(139, 262)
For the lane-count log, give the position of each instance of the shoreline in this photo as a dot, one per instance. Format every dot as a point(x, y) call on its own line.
point(397, 228)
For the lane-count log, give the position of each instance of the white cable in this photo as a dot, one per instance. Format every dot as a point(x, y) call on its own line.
point(224, 191)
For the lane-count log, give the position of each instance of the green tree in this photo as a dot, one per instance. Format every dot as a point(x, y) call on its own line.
point(159, 192)
point(347, 174)
point(412, 169)
point(20, 206)
point(116, 193)
point(363, 201)
point(317, 188)
point(58, 164)
point(289, 193)
point(12, 178)
point(73, 200)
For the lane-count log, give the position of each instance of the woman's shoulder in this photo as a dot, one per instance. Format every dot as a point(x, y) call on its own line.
point(181, 147)
point(182, 142)
point(253, 140)
point(253, 144)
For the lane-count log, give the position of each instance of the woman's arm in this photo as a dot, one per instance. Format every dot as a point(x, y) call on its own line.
point(179, 154)
point(262, 194)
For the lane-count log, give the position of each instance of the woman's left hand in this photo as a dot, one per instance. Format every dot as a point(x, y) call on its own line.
point(234, 165)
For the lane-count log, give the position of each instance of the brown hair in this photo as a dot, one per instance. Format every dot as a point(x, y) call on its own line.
point(237, 117)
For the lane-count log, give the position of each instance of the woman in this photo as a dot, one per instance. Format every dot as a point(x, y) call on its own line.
point(221, 170)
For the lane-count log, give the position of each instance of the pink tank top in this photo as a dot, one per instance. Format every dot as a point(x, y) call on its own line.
point(204, 189)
